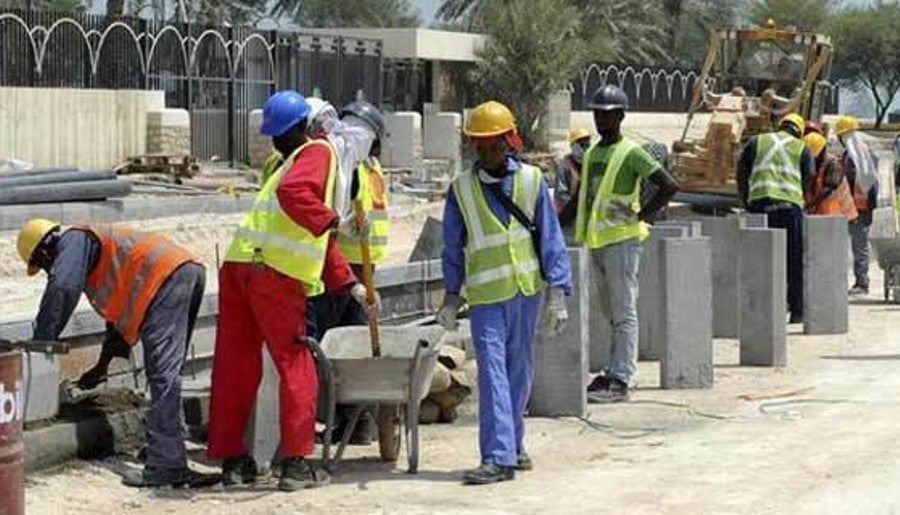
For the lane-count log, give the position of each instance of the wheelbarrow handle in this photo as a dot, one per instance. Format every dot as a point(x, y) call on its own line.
point(368, 280)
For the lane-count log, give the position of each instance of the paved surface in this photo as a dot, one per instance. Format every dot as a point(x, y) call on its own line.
point(818, 436)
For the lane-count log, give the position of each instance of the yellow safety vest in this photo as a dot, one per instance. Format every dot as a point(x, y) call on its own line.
point(374, 202)
point(268, 236)
point(500, 260)
point(271, 165)
point(596, 225)
point(776, 169)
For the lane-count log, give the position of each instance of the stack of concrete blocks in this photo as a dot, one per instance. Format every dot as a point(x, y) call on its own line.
point(685, 313)
point(443, 141)
point(260, 145)
point(763, 280)
point(825, 249)
point(561, 362)
point(402, 145)
point(725, 238)
point(169, 132)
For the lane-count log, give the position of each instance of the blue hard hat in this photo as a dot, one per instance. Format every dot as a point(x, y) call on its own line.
point(282, 111)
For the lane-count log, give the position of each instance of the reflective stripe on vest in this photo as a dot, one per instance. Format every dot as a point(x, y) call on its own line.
point(500, 260)
point(373, 195)
point(130, 270)
point(776, 169)
point(598, 225)
point(268, 236)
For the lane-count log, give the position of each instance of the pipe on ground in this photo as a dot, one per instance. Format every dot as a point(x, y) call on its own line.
point(64, 192)
point(64, 176)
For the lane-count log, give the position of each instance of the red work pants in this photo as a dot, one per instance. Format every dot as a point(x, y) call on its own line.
point(258, 304)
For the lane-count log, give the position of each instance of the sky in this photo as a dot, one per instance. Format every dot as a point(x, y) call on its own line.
point(428, 7)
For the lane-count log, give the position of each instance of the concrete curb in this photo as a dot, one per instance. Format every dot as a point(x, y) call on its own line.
point(91, 438)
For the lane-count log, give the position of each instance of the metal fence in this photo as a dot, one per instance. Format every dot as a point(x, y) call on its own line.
point(219, 74)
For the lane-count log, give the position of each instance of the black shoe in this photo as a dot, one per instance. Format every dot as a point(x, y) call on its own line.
point(523, 462)
point(796, 318)
point(298, 474)
point(488, 473)
point(599, 384)
point(617, 391)
point(239, 471)
point(178, 478)
point(859, 290)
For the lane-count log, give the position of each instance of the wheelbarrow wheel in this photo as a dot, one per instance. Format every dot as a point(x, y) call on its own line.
point(389, 431)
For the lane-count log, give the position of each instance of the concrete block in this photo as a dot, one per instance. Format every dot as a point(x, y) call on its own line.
point(561, 363)
point(686, 313)
point(763, 297)
point(263, 434)
point(402, 146)
point(755, 220)
point(40, 386)
point(884, 223)
point(650, 291)
point(694, 227)
point(725, 239)
point(825, 263)
point(442, 138)
point(430, 244)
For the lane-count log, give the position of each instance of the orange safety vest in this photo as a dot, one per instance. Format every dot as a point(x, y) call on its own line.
point(132, 267)
point(839, 202)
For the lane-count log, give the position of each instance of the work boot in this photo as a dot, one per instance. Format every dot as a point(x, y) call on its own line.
point(617, 391)
point(599, 384)
point(177, 478)
point(298, 474)
point(859, 290)
point(239, 471)
point(488, 473)
point(796, 318)
point(523, 461)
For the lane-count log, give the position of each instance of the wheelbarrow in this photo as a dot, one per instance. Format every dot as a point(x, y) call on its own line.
point(394, 383)
point(887, 251)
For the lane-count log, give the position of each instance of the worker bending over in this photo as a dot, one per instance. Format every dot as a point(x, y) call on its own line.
point(502, 244)
point(281, 254)
point(612, 224)
point(830, 192)
point(146, 288)
point(775, 174)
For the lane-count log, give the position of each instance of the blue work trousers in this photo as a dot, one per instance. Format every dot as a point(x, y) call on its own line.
point(791, 220)
point(503, 334)
point(859, 242)
point(165, 334)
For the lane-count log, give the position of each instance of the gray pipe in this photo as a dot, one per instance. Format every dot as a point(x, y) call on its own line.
point(57, 177)
point(37, 171)
point(64, 192)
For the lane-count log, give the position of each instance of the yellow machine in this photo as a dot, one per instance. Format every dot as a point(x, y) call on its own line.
point(750, 78)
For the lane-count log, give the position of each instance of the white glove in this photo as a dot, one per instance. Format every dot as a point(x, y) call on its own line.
point(349, 226)
point(358, 292)
point(446, 316)
point(555, 314)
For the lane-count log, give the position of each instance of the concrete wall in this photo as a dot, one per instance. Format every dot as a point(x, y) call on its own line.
point(169, 132)
point(84, 128)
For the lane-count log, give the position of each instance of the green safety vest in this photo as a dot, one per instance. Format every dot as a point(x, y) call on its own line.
point(776, 169)
point(268, 236)
point(596, 225)
point(271, 165)
point(500, 260)
point(373, 195)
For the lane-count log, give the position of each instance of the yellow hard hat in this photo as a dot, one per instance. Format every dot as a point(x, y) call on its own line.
point(490, 119)
point(793, 119)
point(846, 124)
point(32, 234)
point(816, 143)
point(578, 134)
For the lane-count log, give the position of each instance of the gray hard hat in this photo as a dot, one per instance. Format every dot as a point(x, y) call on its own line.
point(367, 112)
point(608, 98)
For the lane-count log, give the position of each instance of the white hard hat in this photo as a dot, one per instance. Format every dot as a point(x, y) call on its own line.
point(320, 109)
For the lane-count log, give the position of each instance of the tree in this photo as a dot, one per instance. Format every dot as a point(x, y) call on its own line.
point(808, 15)
point(692, 20)
point(349, 13)
point(532, 51)
point(867, 53)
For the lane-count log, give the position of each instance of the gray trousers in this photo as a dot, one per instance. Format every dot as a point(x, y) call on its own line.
point(165, 334)
point(859, 242)
point(616, 271)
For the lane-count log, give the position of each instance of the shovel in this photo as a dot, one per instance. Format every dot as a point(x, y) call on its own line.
point(367, 279)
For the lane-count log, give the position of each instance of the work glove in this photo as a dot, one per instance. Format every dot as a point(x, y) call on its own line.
point(555, 314)
point(446, 316)
point(349, 226)
point(358, 292)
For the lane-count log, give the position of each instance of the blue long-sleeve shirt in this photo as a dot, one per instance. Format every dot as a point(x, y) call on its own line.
point(76, 254)
point(554, 257)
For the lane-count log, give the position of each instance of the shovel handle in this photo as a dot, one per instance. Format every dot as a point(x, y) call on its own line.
point(367, 279)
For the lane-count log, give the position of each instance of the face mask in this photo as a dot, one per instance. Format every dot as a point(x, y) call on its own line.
point(577, 152)
point(360, 135)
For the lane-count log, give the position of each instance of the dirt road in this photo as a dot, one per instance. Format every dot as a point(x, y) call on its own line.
point(818, 436)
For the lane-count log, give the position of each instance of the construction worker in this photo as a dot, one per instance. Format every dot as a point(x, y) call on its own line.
point(830, 193)
point(367, 186)
point(146, 288)
point(569, 169)
point(861, 169)
point(775, 174)
point(281, 254)
point(612, 224)
point(500, 265)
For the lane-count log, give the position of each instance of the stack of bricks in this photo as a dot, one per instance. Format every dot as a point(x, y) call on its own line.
point(169, 132)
